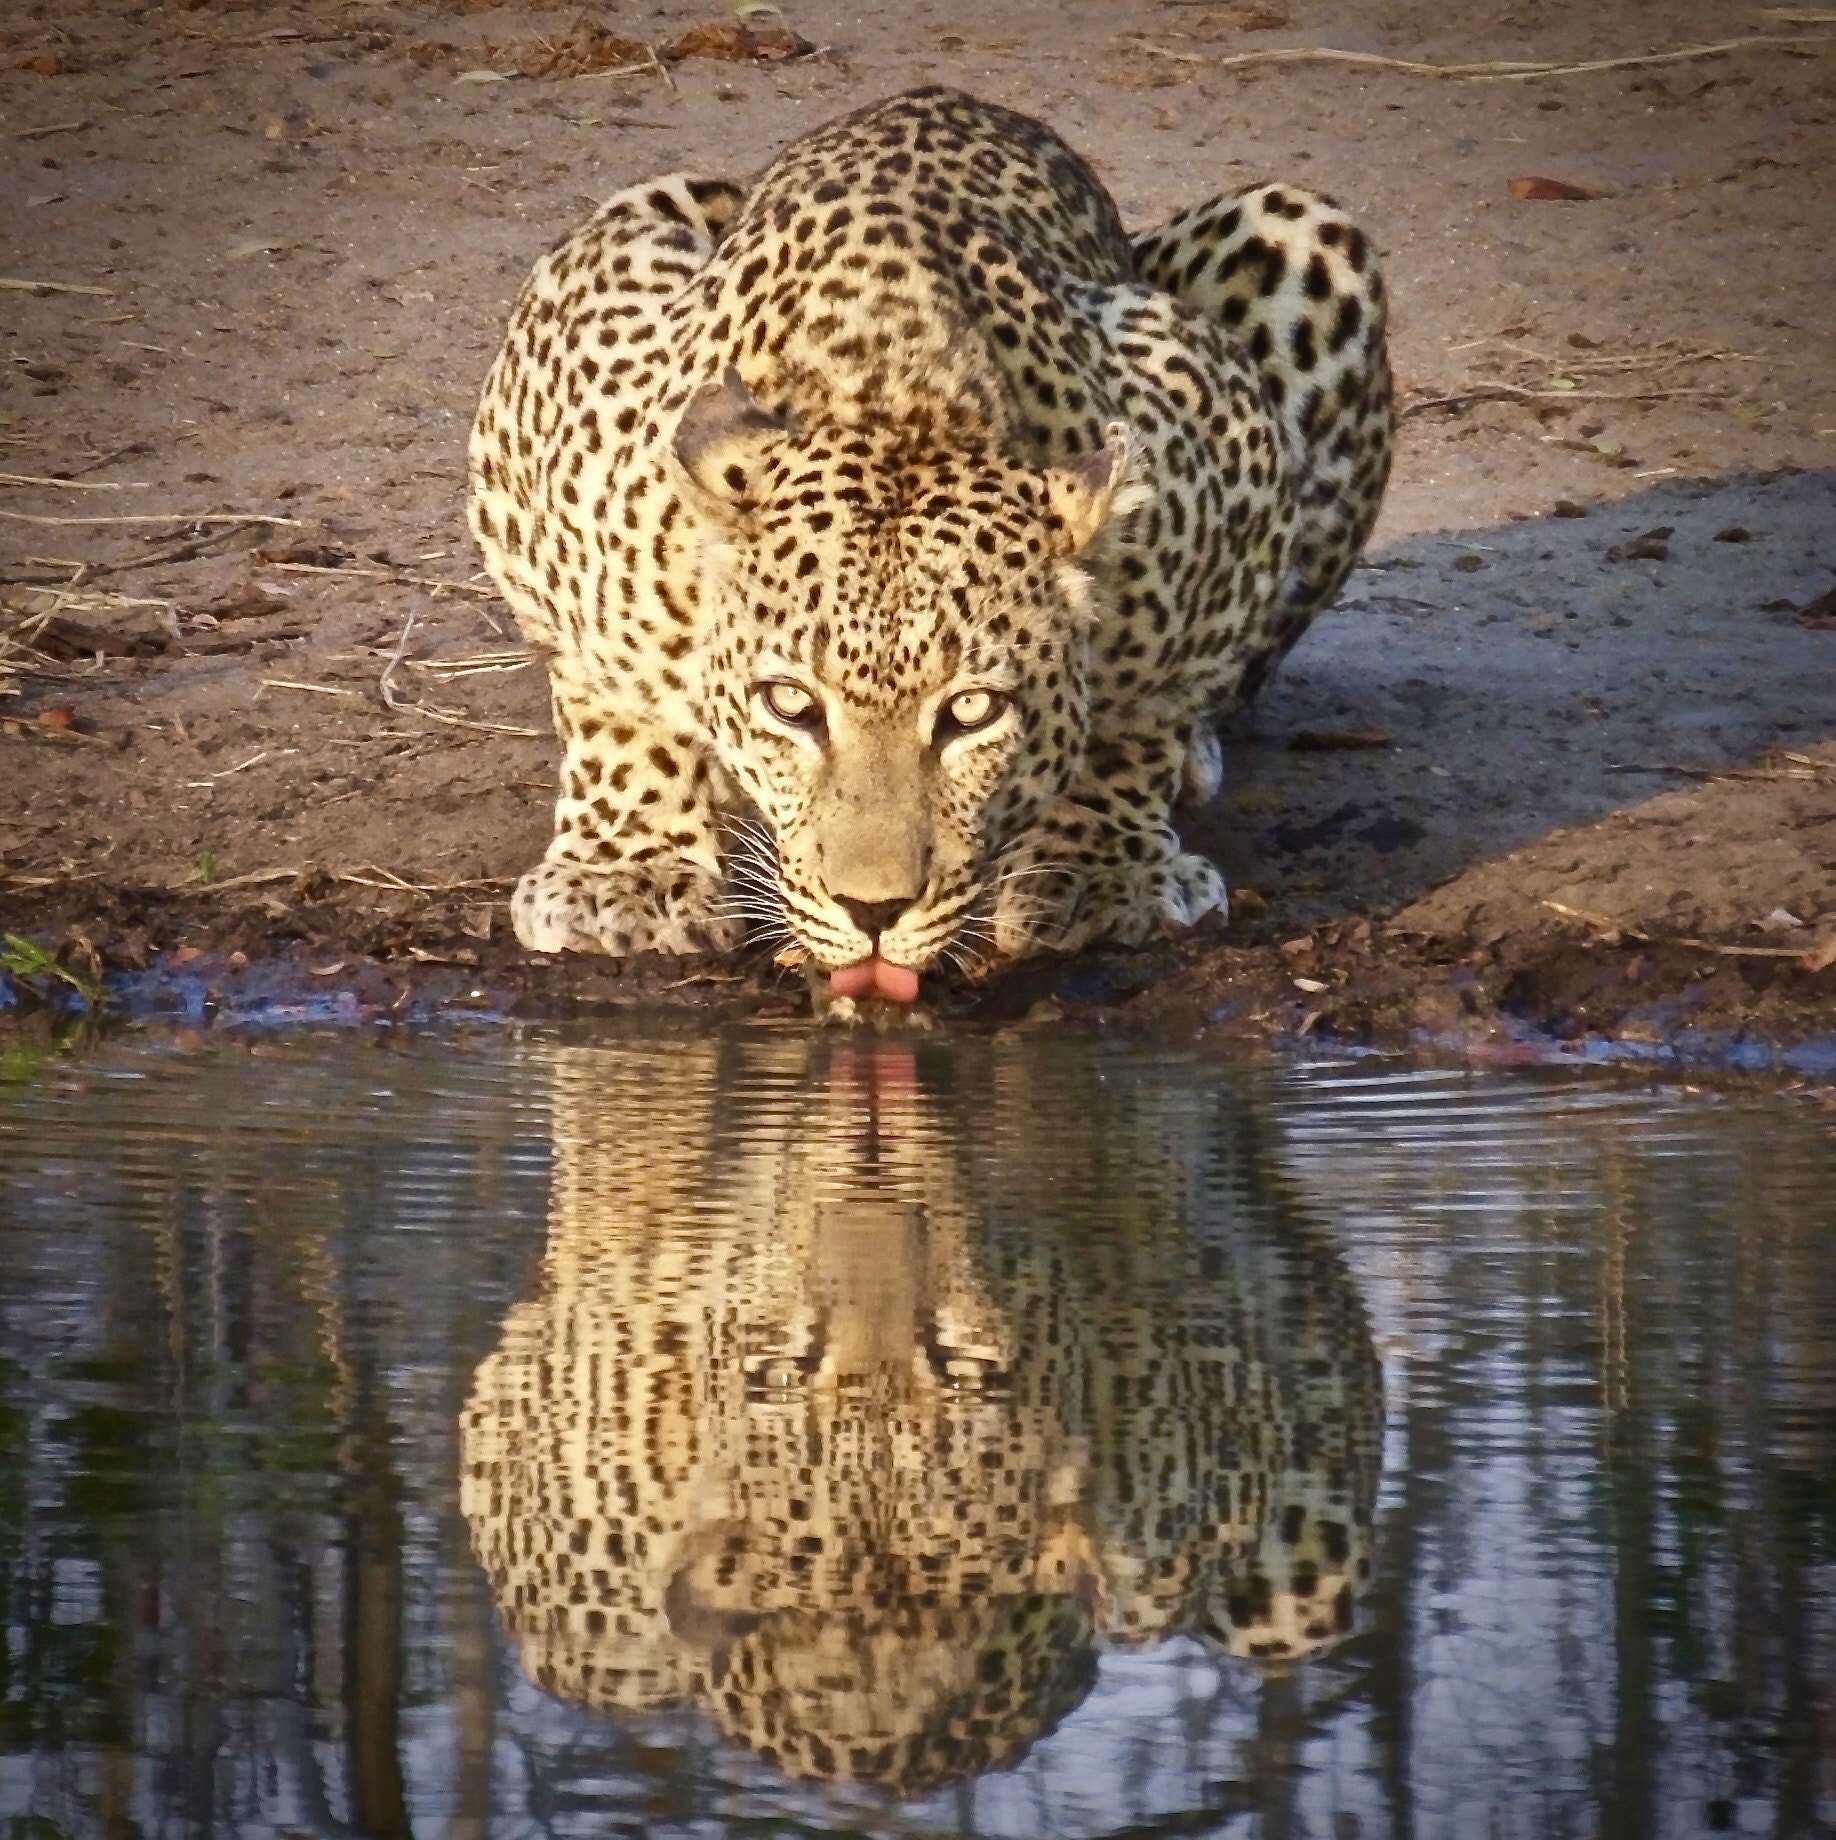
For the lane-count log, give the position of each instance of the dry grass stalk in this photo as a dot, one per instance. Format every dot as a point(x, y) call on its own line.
point(477, 663)
point(1601, 923)
point(452, 717)
point(1494, 71)
point(84, 600)
point(401, 577)
point(387, 878)
point(67, 872)
point(290, 683)
point(1665, 356)
point(253, 879)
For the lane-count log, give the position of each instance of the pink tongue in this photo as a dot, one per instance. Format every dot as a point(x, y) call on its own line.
point(875, 977)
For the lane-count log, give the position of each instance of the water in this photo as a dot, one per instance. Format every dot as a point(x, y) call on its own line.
point(782, 1435)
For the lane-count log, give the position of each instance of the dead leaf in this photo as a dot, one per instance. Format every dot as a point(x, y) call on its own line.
point(70, 640)
point(1535, 186)
point(740, 44)
point(1337, 740)
point(63, 716)
point(245, 603)
point(312, 555)
point(1820, 957)
point(579, 53)
point(1820, 614)
point(1312, 986)
point(1648, 546)
point(43, 63)
point(262, 246)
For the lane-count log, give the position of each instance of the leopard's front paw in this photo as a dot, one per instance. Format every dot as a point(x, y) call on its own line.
point(1043, 904)
point(1137, 902)
point(566, 906)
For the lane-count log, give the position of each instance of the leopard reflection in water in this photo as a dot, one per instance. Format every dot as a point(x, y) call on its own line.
point(862, 1398)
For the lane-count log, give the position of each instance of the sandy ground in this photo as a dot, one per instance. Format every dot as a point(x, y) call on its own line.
point(1604, 579)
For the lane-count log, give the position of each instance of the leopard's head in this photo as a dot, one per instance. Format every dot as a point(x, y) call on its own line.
point(897, 678)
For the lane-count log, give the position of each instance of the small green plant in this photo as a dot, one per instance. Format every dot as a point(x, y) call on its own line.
point(206, 871)
point(31, 965)
point(21, 1062)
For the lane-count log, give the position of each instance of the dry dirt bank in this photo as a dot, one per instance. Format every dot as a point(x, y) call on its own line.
point(1603, 577)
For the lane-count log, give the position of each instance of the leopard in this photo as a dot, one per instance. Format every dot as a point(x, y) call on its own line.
point(862, 1444)
point(896, 527)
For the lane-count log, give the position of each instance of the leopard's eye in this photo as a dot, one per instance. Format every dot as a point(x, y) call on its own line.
point(790, 703)
point(969, 710)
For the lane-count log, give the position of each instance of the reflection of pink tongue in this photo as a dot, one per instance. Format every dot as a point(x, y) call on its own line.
point(875, 977)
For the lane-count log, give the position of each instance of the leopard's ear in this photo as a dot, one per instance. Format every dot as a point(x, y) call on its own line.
point(724, 439)
point(1100, 487)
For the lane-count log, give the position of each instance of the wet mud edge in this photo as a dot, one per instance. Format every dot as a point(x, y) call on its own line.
point(313, 952)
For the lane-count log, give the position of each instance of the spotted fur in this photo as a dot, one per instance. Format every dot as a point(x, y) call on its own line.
point(863, 1442)
point(910, 431)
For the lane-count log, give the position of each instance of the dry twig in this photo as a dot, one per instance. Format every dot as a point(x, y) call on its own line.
point(1800, 767)
point(254, 760)
point(53, 127)
point(253, 879)
point(157, 517)
point(73, 485)
point(1514, 392)
point(19, 285)
point(185, 551)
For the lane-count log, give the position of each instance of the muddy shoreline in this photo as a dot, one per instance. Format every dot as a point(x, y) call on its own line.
point(1574, 994)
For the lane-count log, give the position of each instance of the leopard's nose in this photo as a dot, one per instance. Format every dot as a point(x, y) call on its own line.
point(873, 917)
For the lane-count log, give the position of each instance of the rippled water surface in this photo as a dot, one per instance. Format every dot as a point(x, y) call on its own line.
point(779, 1435)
